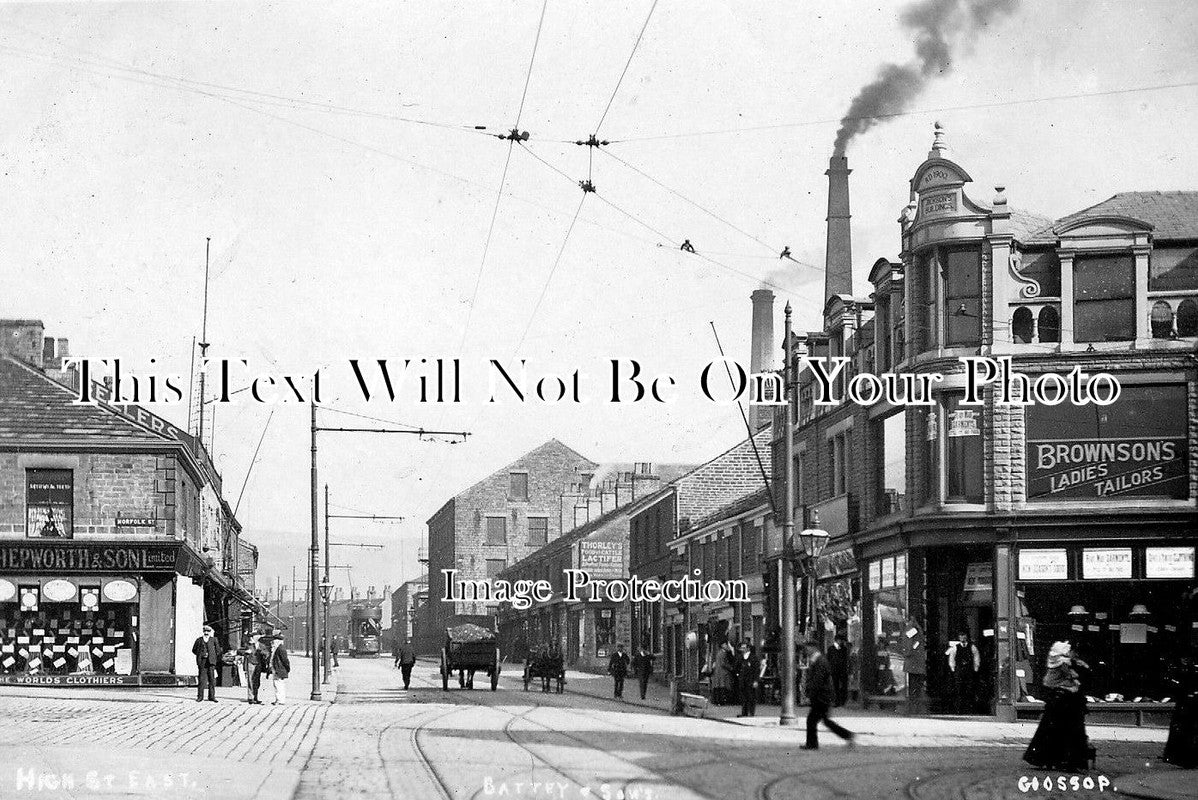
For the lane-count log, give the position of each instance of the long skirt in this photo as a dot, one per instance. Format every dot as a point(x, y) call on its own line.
point(1060, 740)
point(1181, 748)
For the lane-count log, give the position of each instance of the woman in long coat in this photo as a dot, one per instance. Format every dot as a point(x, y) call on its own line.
point(723, 675)
point(1060, 740)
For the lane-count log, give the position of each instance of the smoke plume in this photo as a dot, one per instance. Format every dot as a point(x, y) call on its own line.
point(939, 27)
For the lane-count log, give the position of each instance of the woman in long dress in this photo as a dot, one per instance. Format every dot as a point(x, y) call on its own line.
point(723, 675)
point(1181, 748)
point(1060, 740)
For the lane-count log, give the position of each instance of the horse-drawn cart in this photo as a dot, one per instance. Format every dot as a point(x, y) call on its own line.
point(468, 649)
point(549, 667)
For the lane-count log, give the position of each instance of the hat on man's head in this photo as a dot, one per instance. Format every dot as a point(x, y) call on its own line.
point(208, 627)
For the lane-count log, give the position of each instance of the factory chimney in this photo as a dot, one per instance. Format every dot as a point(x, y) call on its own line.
point(761, 359)
point(838, 261)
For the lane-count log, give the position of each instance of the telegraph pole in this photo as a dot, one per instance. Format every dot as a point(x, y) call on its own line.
point(787, 587)
point(313, 564)
point(325, 584)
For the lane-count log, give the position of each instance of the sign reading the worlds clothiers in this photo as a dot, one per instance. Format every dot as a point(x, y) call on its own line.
point(1133, 447)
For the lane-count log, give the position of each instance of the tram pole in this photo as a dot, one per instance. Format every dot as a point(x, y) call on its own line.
point(313, 564)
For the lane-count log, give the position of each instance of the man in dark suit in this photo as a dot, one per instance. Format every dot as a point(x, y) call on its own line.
point(838, 662)
point(642, 665)
point(821, 695)
point(207, 653)
point(617, 665)
point(405, 659)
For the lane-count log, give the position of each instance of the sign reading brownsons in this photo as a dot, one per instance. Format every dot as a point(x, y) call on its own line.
point(1134, 447)
point(78, 557)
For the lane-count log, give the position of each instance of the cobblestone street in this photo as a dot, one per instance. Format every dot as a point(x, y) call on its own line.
point(378, 740)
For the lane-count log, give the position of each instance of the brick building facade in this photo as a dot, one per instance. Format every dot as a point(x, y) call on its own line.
point(1015, 524)
point(115, 542)
point(500, 520)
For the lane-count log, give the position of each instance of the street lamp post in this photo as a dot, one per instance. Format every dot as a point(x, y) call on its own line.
point(787, 587)
point(813, 541)
point(325, 587)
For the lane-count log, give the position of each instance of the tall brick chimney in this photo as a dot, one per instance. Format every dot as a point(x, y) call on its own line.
point(23, 339)
point(838, 261)
point(761, 359)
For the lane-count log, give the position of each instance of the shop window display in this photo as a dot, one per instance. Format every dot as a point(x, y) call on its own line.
point(1130, 633)
point(64, 639)
point(888, 585)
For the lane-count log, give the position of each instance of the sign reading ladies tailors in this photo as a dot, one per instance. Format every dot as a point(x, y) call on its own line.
point(1133, 447)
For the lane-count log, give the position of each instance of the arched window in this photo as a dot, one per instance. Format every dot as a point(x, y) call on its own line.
point(1162, 320)
point(1187, 318)
point(1050, 324)
point(1022, 325)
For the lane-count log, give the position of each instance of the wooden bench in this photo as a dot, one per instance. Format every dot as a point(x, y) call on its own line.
point(693, 705)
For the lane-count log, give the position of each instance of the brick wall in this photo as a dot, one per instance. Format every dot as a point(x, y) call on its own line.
point(105, 485)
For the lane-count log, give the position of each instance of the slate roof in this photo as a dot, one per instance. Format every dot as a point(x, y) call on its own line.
point(1173, 215)
point(734, 509)
point(35, 407)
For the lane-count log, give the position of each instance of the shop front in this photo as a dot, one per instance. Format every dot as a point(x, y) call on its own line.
point(93, 614)
point(1127, 607)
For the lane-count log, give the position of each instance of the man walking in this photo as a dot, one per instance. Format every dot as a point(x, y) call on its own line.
point(642, 665)
point(406, 659)
point(838, 662)
point(207, 653)
point(820, 693)
point(617, 665)
point(280, 668)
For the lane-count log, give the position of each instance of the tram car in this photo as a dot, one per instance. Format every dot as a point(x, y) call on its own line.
point(365, 630)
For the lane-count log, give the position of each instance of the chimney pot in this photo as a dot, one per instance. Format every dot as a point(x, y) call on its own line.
point(761, 357)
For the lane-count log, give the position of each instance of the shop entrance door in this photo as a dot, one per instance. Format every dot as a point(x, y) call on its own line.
point(961, 600)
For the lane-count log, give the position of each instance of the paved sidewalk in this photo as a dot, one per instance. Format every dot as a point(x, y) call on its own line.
point(876, 729)
point(156, 743)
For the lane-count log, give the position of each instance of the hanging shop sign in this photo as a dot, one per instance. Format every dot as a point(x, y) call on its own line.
point(979, 577)
point(601, 559)
point(831, 565)
point(1169, 562)
point(1106, 562)
point(1043, 565)
point(59, 591)
point(81, 557)
point(963, 422)
point(1134, 447)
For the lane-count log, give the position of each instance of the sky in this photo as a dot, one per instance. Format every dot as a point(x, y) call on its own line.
point(329, 151)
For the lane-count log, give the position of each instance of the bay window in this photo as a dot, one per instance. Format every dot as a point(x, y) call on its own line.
point(1104, 298)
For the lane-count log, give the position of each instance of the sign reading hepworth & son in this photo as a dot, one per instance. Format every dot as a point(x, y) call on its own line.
point(1135, 446)
point(79, 557)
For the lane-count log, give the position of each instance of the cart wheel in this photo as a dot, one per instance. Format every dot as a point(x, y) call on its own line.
point(495, 678)
point(561, 685)
point(444, 672)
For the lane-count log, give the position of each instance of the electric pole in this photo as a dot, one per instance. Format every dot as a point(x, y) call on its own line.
point(787, 587)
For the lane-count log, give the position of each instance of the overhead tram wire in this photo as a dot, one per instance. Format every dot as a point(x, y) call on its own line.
point(914, 112)
point(548, 278)
point(512, 138)
point(182, 84)
point(664, 236)
point(707, 211)
point(627, 64)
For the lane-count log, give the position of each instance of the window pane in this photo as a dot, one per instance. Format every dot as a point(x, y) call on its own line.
point(495, 566)
point(538, 531)
point(519, 486)
point(1104, 277)
point(891, 443)
point(1022, 325)
point(496, 530)
point(1104, 321)
point(1187, 318)
point(962, 297)
point(1049, 323)
point(963, 428)
point(1162, 320)
point(49, 503)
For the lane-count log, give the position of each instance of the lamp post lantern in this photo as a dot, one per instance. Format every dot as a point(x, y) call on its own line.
point(813, 541)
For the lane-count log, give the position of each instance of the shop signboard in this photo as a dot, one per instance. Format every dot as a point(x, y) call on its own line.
point(601, 559)
point(875, 575)
point(136, 521)
point(888, 573)
point(1106, 562)
point(91, 679)
point(1134, 447)
point(1043, 565)
point(87, 557)
point(1169, 562)
point(963, 422)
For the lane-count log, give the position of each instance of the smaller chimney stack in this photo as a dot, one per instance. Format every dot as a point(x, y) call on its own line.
point(761, 358)
point(838, 259)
